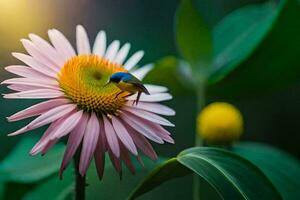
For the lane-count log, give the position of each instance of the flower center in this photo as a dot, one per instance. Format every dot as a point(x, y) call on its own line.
point(83, 80)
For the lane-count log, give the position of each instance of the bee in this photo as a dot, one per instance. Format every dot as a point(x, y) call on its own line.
point(126, 82)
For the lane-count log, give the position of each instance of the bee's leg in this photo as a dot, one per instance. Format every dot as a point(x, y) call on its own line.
point(129, 95)
point(137, 98)
point(119, 94)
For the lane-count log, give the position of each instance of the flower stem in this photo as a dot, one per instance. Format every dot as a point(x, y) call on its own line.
point(80, 180)
point(200, 105)
point(198, 140)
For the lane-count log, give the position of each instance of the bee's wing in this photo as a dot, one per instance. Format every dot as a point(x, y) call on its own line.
point(136, 82)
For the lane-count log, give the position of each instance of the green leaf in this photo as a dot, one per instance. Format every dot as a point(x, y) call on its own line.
point(193, 37)
point(281, 168)
point(20, 167)
point(261, 42)
point(172, 73)
point(238, 34)
point(54, 188)
point(231, 176)
point(168, 170)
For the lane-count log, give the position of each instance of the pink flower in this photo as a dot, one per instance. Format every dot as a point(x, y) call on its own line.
point(81, 107)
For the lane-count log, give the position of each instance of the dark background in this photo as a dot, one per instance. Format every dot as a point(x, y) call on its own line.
point(272, 118)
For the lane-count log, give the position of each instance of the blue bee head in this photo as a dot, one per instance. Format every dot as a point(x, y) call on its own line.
point(117, 77)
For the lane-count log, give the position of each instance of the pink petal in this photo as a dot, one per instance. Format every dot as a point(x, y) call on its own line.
point(164, 134)
point(33, 82)
point(22, 88)
point(74, 141)
point(140, 161)
point(153, 128)
point(152, 107)
point(38, 147)
point(142, 143)
point(67, 126)
point(133, 122)
point(152, 97)
point(123, 135)
point(48, 146)
point(143, 71)
point(47, 49)
point(126, 158)
point(61, 44)
point(89, 143)
point(111, 137)
point(28, 60)
point(46, 118)
point(62, 126)
point(100, 44)
point(38, 56)
point(149, 116)
point(115, 161)
point(52, 115)
point(35, 94)
point(100, 151)
point(82, 41)
point(27, 72)
point(37, 109)
point(133, 60)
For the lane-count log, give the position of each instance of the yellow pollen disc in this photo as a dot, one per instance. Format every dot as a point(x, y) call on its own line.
point(83, 79)
point(220, 123)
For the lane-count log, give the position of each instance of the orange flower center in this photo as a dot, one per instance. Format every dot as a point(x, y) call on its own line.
point(83, 80)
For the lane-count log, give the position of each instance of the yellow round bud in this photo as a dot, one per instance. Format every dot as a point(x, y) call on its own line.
point(220, 123)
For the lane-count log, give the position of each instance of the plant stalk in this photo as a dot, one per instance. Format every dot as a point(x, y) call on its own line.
point(200, 105)
point(198, 140)
point(80, 183)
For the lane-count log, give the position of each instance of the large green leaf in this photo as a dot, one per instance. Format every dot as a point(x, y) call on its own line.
point(281, 168)
point(193, 37)
point(231, 176)
point(238, 34)
point(20, 167)
point(261, 42)
point(54, 188)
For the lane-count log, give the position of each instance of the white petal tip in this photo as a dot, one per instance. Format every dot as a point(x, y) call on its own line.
point(32, 153)
point(12, 134)
point(9, 119)
point(171, 141)
point(79, 26)
point(82, 173)
point(31, 35)
point(23, 40)
point(135, 153)
point(141, 52)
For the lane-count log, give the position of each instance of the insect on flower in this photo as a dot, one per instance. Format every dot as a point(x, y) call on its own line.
point(128, 83)
point(78, 105)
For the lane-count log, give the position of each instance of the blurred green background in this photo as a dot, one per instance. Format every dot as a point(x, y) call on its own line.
point(271, 116)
